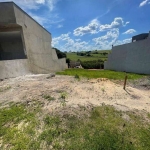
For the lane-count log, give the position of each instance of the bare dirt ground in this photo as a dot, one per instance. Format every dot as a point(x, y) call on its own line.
point(68, 91)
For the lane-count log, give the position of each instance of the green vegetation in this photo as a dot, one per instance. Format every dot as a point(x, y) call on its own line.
point(63, 95)
point(48, 97)
point(94, 64)
point(89, 56)
point(59, 53)
point(77, 76)
point(22, 127)
point(17, 127)
point(89, 59)
point(99, 74)
point(2, 89)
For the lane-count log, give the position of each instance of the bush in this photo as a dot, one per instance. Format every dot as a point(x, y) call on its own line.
point(93, 64)
point(59, 53)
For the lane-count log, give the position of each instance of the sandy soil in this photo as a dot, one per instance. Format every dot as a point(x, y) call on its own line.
point(84, 92)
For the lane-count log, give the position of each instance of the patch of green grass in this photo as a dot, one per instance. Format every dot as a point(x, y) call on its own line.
point(52, 131)
point(50, 121)
point(11, 134)
point(2, 89)
point(63, 95)
point(48, 97)
point(106, 129)
point(99, 74)
point(102, 128)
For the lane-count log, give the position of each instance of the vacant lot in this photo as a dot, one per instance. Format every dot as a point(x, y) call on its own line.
point(64, 112)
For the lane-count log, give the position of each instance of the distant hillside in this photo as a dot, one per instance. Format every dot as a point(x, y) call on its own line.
point(89, 59)
point(88, 55)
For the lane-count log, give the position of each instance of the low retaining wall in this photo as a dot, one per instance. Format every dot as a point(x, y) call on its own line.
point(13, 68)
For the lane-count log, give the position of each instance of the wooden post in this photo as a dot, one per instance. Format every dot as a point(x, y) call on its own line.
point(125, 82)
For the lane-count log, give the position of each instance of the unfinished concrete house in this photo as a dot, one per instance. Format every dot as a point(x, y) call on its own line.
point(133, 57)
point(25, 46)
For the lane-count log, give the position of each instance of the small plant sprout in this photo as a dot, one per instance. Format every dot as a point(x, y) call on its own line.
point(77, 77)
point(63, 95)
point(63, 103)
point(2, 89)
point(103, 90)
point(48, 97)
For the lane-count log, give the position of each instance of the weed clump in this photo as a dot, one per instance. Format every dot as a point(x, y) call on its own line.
point(2, 89)
point(48, 97)
point(63, 95)
point(77, 76)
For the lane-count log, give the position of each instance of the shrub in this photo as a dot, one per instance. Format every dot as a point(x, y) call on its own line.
point(77, 76)
point(93, 64)
point(59, 53)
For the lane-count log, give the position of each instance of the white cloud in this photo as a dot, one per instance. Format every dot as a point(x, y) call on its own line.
point(77, 40)
point(41, 20)
point(34, 4)
point(60, 26)
point(95, 27)
point(106, 41)
point(125, 41)
point(27, 4)
point(47, 20)
point(51, 4)
point(130, 31)
point(62, 37)
point(143, 3)
point(92, 27)
point(117, 23)
point(40, 1)
point(65, 43)
point(104, 13)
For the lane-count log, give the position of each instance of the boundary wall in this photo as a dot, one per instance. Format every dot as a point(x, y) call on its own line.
point(133, 57)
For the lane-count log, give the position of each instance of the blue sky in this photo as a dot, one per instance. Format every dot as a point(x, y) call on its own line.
point(78, 25)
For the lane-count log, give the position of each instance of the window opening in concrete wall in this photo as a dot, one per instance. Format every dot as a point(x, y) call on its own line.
point(11, 46)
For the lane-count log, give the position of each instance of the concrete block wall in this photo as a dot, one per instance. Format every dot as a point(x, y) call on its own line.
point(133, 57)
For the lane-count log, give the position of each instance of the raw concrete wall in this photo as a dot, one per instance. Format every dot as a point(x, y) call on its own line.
point(7, 14)
point(13, 68)
point(133, 57)
point(11, 50)
point(38, 45)
point(60, 64)
point(36, 42)
point(11, 47)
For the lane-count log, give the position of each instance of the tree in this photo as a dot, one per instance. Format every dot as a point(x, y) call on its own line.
point(59, 53)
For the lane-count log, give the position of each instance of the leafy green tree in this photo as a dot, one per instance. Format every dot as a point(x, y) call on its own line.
point(59, 53)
